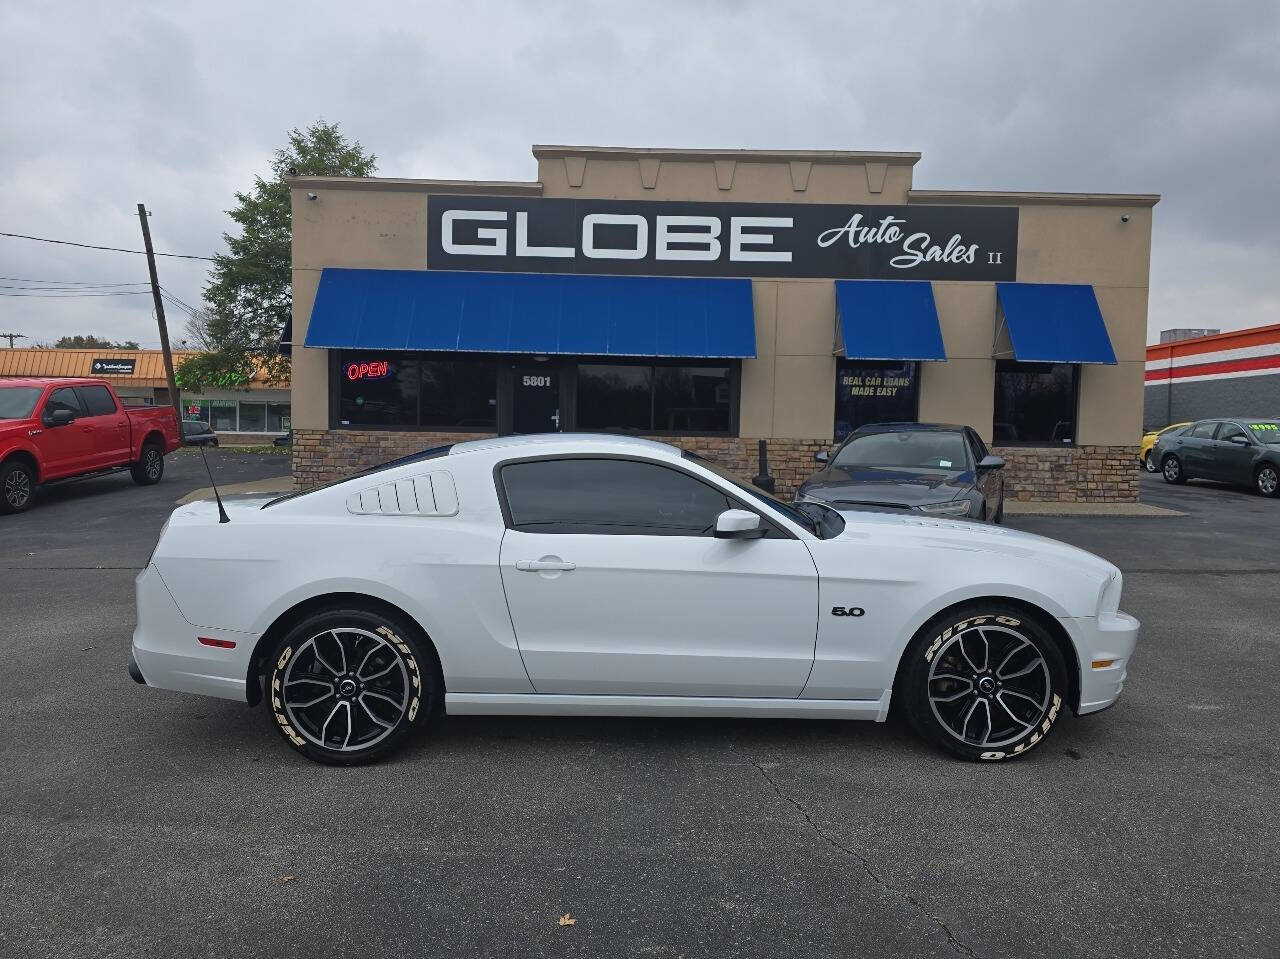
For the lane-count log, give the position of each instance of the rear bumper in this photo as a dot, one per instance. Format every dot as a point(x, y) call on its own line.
point(168, 654)
point(135, 673)
point(1111, 636)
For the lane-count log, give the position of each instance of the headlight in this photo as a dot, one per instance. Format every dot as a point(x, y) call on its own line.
point(953, 508)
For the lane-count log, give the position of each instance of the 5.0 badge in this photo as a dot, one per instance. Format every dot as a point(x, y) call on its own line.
point(847, 610)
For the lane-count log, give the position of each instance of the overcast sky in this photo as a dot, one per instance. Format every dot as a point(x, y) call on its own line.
point(178, 105)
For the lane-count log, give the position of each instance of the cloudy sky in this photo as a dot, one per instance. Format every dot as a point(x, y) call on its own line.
point(177, 105)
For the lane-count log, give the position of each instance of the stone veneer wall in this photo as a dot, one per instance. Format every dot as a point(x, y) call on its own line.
point(1068, 474)
point(1071, 474)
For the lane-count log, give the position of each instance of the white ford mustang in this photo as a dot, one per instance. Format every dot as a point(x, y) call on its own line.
point(599, 575)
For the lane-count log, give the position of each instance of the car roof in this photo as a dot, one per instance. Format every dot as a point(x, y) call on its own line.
point(910, 427)
point(550, 443)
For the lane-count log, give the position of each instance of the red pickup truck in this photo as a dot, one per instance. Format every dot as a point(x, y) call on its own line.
point(61, 428)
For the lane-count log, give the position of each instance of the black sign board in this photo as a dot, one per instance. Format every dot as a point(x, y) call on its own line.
point(661, 238)
point(114, 367)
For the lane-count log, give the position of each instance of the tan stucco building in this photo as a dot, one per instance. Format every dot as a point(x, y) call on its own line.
point(715, 298)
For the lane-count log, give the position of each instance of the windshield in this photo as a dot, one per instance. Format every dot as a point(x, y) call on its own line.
point(911, 449)
point(17, 402)
point(1265, 431)
point(822, 525)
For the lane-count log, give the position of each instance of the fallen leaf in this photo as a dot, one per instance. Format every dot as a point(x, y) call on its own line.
point(287, 878)
point(568, 920)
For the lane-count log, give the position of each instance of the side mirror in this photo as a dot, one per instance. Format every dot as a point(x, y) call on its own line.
point(990, 462)
point(59, 418)
point(822, 456)
point(1238, 440)
point(738, 524)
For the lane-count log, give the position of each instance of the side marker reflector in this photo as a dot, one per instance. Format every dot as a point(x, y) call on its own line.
point(216, 643)
point(1097, 663)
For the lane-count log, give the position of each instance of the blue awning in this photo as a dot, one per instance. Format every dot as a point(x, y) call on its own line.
point(1055, 323)
point(533, 313)
point(889, 320)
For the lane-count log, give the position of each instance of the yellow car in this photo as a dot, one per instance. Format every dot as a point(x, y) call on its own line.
point(1149, 440)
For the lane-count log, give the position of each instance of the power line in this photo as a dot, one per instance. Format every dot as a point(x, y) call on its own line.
point(94, 246)
point(72, 296)
point(28, 279)
point(79, 287)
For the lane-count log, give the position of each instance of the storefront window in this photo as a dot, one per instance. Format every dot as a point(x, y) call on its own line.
point(459, 395)
point(222, 416)
point(425, 393)
point(278, 417)
point(253, 417)
point(377, 390)
point(874, 391)
point(615, 397)
point(1035, 403)
point(654, 399)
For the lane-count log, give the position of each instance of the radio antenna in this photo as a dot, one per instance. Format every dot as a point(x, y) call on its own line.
point(222, 513)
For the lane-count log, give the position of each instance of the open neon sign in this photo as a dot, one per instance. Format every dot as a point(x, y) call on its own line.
point(376, 370)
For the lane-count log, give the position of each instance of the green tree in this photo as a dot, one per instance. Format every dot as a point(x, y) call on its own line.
point(250, 293)
point(91, 342)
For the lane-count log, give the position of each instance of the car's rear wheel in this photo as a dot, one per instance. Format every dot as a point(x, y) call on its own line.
point(150, 466)
point(17, 486)
point(1149, 463)
point(347, 686)
point(1266, 480)
point(1172, 470)
point(984, 682)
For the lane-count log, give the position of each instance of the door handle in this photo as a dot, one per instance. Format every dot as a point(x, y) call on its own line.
point(542, 565)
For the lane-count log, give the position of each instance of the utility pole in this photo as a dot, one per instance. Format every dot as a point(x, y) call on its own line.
point(11, 337)
point(164, 329)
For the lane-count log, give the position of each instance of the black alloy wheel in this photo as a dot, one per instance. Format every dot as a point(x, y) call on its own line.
point(984, 682)
point(17, 487)
point(150, 466)
point(346, 686)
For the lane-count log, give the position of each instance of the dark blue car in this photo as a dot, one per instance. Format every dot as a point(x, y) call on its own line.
point(929, 468)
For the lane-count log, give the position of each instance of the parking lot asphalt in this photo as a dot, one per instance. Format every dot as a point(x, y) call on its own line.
point(137, 822)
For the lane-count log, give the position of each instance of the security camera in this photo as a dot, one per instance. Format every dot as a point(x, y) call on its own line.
point(1124, 217)
point(312, 196)
point(293, 171)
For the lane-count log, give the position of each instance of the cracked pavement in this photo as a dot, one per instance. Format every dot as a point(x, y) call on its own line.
point(143, 823)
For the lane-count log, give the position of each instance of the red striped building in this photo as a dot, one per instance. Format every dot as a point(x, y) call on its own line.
point(1227, 374)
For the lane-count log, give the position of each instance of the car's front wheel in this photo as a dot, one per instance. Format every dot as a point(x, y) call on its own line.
point(1172, 470)
point(1150, 464)
point(346, 686)
point(984, 682)
point(1267, 480)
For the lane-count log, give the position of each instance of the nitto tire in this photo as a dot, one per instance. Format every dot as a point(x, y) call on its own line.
point(1172, 470)
point(347, 686)
point(1267, 480)
point(985, 682)
point(17, 486)
point(150, 466)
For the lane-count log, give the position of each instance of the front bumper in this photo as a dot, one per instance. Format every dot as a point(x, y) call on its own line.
point(168, 654)
point(1111, 636)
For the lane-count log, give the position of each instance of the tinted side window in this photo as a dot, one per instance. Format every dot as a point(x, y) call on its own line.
point(1203, 431)
point(1228, 430)
point(64, 399)
point(97, 401)
point(609, 497)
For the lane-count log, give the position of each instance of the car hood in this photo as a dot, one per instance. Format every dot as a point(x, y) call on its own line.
point(928, 532)
point(887, 486)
